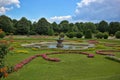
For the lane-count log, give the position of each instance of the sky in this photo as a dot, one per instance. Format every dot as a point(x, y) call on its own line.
point(58, 10)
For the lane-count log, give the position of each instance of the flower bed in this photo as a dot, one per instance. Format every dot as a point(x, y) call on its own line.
point(44, 56)
point(107, 52)
point(93, 42)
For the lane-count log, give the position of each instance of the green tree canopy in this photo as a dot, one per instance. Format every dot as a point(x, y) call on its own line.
point(114, 27)
point(103, 26)
point(6, 24)
point(23, 26)
point(64, 26)
point(43, 27)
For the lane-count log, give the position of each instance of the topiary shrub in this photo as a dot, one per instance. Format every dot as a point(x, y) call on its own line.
point(62, 35)
point(99, 35)
point(88, 34)
point(117, 34)
point(105, 35)
point(79, 34)
point(2, 34)
point(70, 34)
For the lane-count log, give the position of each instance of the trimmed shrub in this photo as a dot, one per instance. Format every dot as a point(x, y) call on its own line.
point(105, 35)
point(70, 34)
point(99, 35)
point(88, 34)
point(117, 34)
point(79, 34)
point(62, 35)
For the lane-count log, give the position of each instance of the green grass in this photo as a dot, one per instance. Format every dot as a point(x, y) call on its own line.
point(71, 67)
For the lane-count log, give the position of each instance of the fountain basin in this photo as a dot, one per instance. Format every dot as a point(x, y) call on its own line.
point(53, 45)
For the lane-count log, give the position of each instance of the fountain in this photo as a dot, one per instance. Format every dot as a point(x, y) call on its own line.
point(59, 43)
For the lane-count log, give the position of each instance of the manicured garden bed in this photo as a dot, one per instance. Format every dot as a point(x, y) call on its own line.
point(73, 66)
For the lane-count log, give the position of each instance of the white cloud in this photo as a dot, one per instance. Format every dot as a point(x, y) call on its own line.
point(98, 10)
point(60, 18)
point(6, 5)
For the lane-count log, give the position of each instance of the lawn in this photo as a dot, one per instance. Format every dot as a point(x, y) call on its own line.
point(71, 66)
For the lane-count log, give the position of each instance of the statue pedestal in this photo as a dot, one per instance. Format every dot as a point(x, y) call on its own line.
point(59, 43)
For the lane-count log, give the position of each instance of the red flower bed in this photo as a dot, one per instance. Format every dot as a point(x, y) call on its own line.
point(44, 56)
point(107, 52)
point(93, 42)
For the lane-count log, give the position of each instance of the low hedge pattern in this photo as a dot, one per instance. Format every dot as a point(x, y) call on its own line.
point(45, 56)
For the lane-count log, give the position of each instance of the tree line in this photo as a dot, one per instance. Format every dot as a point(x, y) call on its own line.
point(43, 27)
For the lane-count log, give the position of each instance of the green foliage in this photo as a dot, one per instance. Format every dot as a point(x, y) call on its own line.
point(114, 27)
point(73, 28)
point(80, 26)
point(88, 34)
point(43, 27)
point(6, 24)
point(89, 25)
point(2, 34)
point(99, 35)
point(103, 26)
point(55, 27)
point(64, 26)
point(105, 35)
point(70, 34)
point(3, 51)
point(62, 35)
point(79, 34)
point(23, 26)
point(117, 34)
point(50, 32)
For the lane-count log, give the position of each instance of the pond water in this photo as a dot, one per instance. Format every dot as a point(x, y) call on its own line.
point(53, 45)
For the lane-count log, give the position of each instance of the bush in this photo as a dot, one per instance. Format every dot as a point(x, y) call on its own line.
point(2, 34)
point(99, 35)
point(32, 33)
point(62, 35)
point(117, 34)
point(70, 34)
point(105, 35)
point(88, 34)
point(56, 34)
point(79, 34)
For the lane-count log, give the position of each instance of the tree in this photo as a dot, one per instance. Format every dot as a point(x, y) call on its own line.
point(88, 34)
point(6, 24)
point(80, 26)
point(89, 25)
point(43, 27)
point(79, 34)
point(105, 35)
point(103, 26)
point(114, 27)
point(70, 34)
point(55, 27)
point(23, 26)
point(117, 34)
point(64, 26)
point(99, 35)
point(73, 28)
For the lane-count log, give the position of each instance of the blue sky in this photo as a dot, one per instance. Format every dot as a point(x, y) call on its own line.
point(57, 10)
